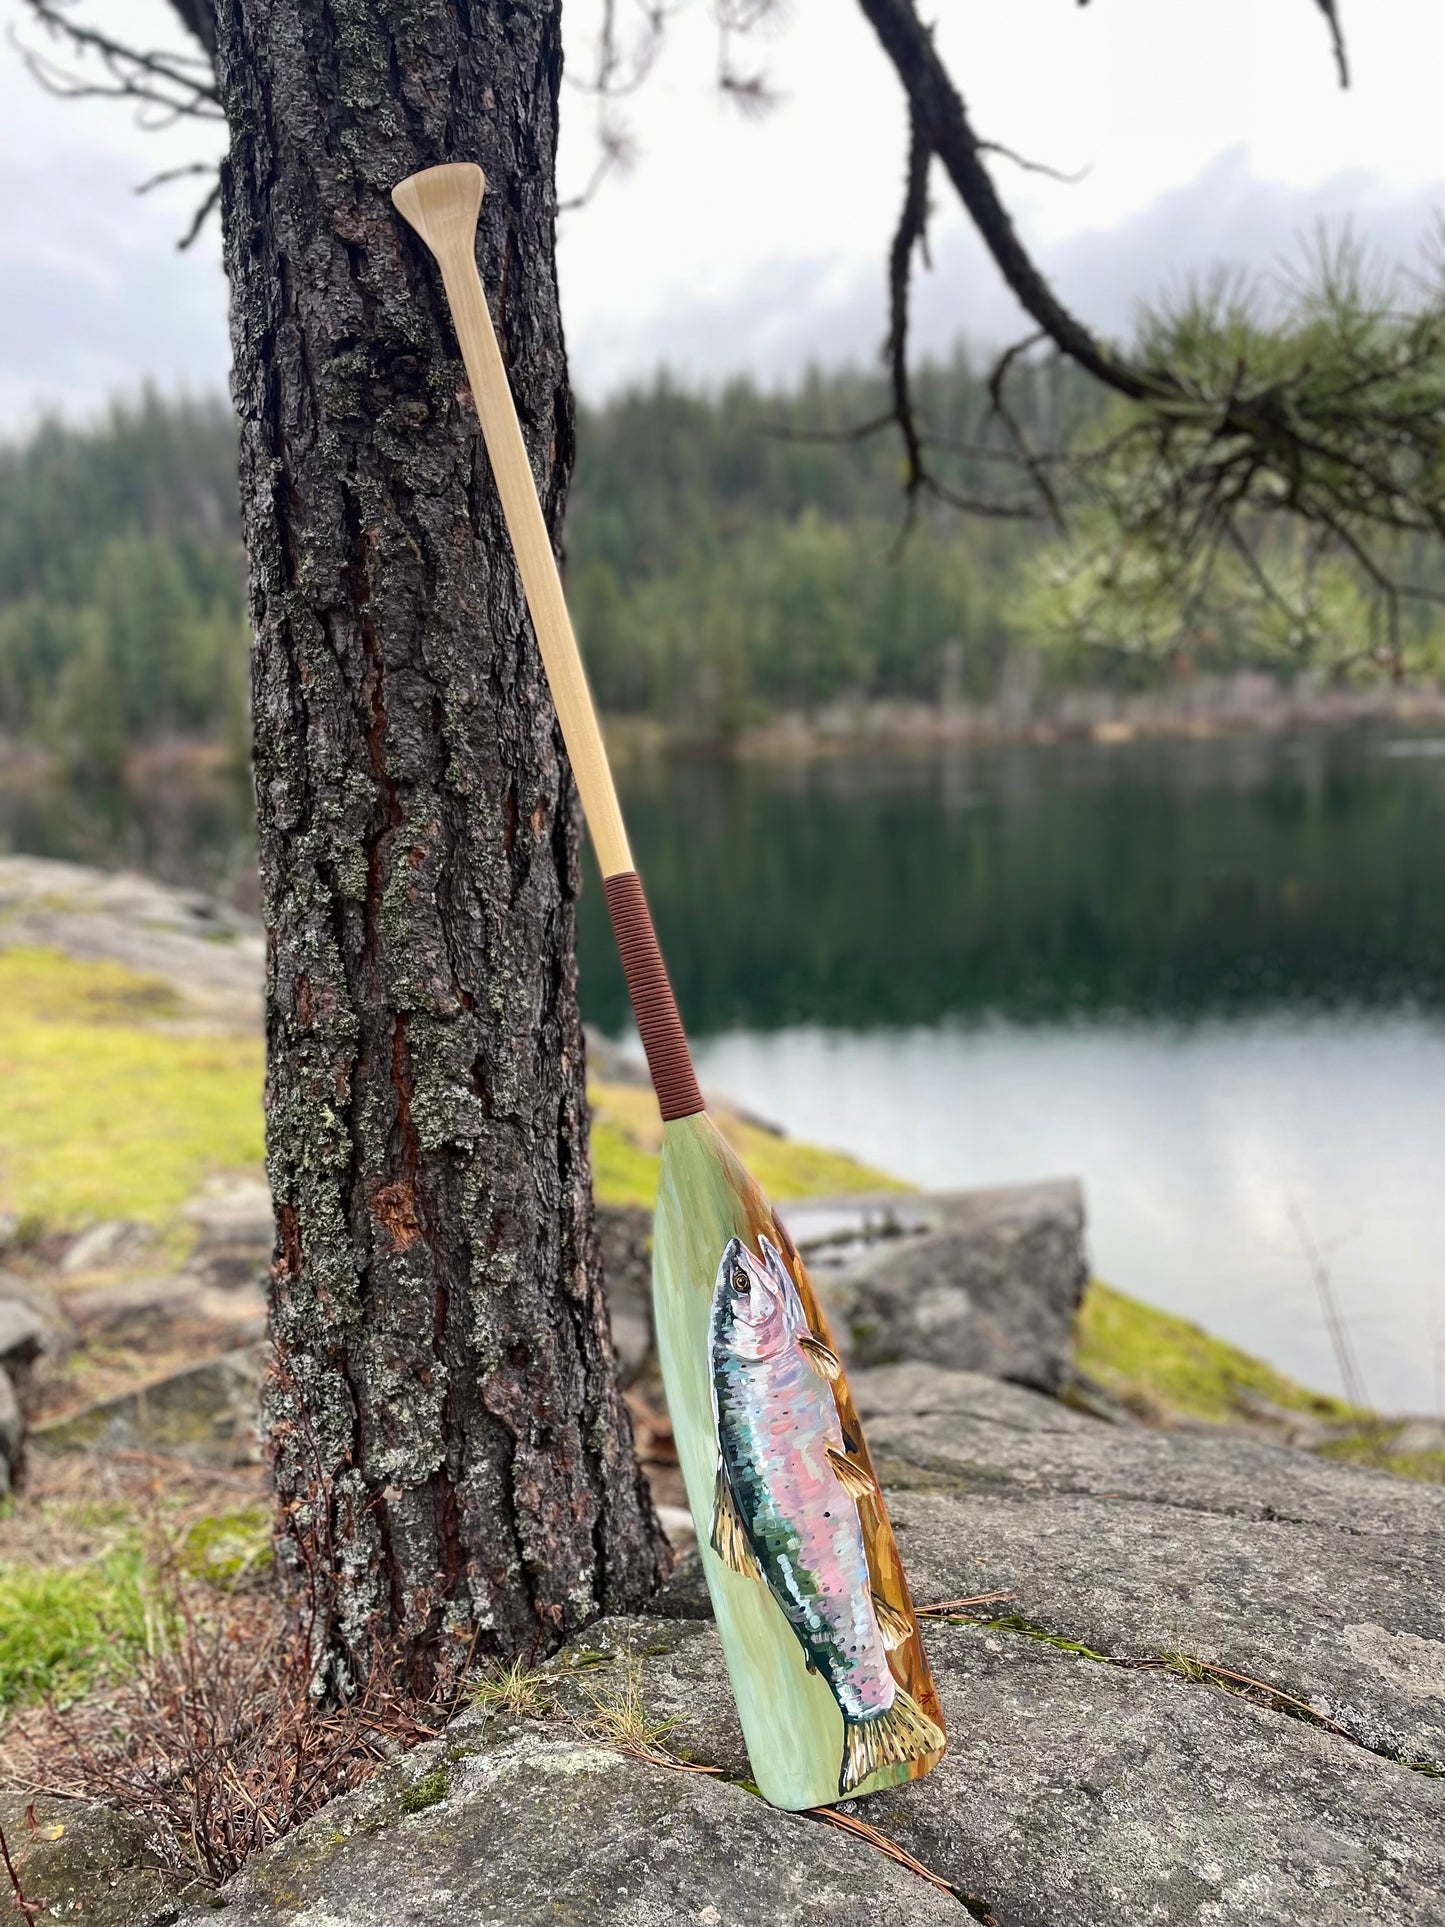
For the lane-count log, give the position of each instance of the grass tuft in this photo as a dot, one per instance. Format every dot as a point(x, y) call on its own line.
point(514, 1692)
point(619, 1717)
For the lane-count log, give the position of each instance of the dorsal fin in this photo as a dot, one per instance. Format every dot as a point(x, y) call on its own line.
point(854, 1478)
point(822, 1358)
point(892, 1624)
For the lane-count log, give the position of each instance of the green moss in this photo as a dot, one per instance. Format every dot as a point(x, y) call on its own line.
point(1371, 1446)
point(1165, 1367)
point(62, 1627)
point(227, 1547)
point(627, 1138)
point(429, 1791)
point(1030, 1629)
point(106, 1114)
point(113, 1111)
point(583, 1659)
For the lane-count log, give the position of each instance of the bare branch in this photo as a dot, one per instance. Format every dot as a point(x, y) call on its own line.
point(212, 200)
point(1036, 470)
point(1330, 10)
point(944, 124)
point(912, 221)
point(750, 91)
point(620, 66)
point(166, 87)
point(1032, 167)
point(614, 153)
point(859, 432)
point(168, 174)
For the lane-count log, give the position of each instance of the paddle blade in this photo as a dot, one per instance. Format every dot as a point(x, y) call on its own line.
point(822, 1645)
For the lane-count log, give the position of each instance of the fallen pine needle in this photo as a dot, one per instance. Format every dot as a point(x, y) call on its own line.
point(957, 1605)
point(1210, 1670)
point(669, 1760)
point(881, 1844)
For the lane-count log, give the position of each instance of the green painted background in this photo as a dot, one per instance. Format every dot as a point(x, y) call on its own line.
point(790, 1720)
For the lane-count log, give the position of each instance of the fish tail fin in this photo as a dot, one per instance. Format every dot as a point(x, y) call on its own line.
point(904, 1732)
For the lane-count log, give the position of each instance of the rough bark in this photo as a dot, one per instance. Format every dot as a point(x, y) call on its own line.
point(453, 1460)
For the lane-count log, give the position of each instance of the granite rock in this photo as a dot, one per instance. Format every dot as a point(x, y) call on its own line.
point(111, 1242)
point(211, 956)
point(1325, 1581)
point(498, 1827)
point(625, 1234)
point(1214, 1696)
point(22, 1333)
point(981, 1281)
point(12, 1433)
point(76, 1859)
point(38, 1300)
point(206, 1415)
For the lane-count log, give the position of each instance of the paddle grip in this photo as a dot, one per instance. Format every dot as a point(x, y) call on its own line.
point(653, 1003)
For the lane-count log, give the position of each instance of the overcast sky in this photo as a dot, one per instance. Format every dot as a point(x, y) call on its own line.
point(1210, 129)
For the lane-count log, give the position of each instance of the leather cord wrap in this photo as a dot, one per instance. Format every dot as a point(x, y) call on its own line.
point(653, 1003)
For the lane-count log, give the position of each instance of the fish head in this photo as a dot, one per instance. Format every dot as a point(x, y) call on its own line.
point(756, 1310)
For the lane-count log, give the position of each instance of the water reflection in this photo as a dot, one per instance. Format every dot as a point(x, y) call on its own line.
point(182, 814)
point(1205, 977)
point(1040, 883)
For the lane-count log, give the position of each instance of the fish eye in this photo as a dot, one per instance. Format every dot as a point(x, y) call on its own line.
point(740, 1280)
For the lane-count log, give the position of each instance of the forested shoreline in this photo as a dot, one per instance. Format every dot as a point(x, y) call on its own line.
point(734, 561)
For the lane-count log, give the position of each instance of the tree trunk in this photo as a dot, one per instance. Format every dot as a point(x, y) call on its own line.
point(453, 1460)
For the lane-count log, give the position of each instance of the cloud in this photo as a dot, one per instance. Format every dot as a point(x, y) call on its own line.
point(97, 300)
point(792, 314)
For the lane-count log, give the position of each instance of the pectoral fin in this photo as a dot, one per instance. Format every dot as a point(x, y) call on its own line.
point(892, 1624)
point(729, 1541)
point(822, 1358)
point(855, 1481)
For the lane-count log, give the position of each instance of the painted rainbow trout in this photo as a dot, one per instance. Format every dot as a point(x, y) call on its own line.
point(786, 1506)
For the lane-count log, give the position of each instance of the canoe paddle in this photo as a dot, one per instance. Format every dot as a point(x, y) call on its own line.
point(821, 1640)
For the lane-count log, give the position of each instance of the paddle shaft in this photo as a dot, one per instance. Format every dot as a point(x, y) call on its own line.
point(442, 204)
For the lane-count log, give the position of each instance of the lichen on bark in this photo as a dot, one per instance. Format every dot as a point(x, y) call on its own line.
point(453, 1460)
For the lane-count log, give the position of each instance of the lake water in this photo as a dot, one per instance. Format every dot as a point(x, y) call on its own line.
point(1208, 978)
